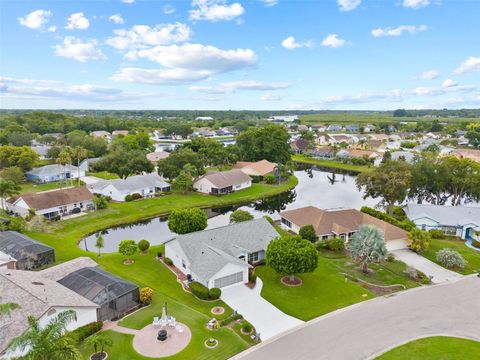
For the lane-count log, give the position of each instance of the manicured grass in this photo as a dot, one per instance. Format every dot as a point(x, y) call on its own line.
point(330, 164)
point(103, 175)
point(32, 187)
point(472, 256)
point(435, 348)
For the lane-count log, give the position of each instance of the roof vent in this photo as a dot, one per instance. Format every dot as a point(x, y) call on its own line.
point(37, 283)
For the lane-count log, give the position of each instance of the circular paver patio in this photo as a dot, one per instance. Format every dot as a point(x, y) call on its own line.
point(145, 341)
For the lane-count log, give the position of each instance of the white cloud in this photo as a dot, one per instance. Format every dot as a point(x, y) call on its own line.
point(116, 18)
point(348, 5)
point(52, 28)
point(26, 81)
point(36, 19)
point(272, 97)
point(429, 75)
point(128, 1)
point(399, 30)
point(471, 64)
point(269, 3)
point(168, 9)
point(415, 4)
point(449, 83)
point(77, 21)
point(185, 63)
point(233, 86)
point(140, 36)
point(290, 43)
point(215, 10)
point(333, 41)
point(73, 48)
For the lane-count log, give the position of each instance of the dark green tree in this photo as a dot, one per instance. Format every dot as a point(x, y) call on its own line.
point(307, 232)
point(239, 216)
point(184, 221)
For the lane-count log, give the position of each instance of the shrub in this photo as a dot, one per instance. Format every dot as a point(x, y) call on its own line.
point(159, 254)
point(17, 224)
point(199, 290)
point(143, 245)
point(436, 234)
point(269, 179)
point(390, 258)
point(128, 198)
point(307, 232)
point(146, 295)
point(100, 202)
point(247, 328)
point(451, 259)
point(419, 240)
point(214, 293)
point(231, 318)
point(321, 245)
point(411, 272)
point(239, 216)
point(127, 248)
point(255, 179)
point(85, 331)
point(336, 244)
point(406, 225)
point(136, 196)
point(252, 277)
point(184, 221)
point(168, 261)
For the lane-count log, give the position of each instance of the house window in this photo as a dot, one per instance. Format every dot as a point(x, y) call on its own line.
point(253, 257)
point(286, 222)
point(424, 227)
point(325, 237)
point(449, 230)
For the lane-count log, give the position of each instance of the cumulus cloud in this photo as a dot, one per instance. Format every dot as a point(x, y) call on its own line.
point(415, 4)
point(471, 64)
point(399, 30)
point(429, 75)
point(116, 18)
point(36, 19)
point(184, 63)
point(291, 43)
point(52, 28)
point(26, 81)
point(333, 41)
point(127, 1)
point(233, 86)
point(348, 5)
point(272, 97)
point(76, 49)
point(269, 3)
point(140, 36)
point(77, 21)
point(449, 83)
point(215, 10)
point(168, 9)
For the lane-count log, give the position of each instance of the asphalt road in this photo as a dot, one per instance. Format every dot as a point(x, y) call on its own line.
point(365, 330)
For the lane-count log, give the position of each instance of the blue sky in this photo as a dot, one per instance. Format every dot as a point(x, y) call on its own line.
point(240, 54)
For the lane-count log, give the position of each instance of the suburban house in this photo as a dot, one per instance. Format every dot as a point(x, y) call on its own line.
point(117, 133)
point(156, 156)
point(203, 118)
point(358, 154)
point(41, 150)
point(222, 182)
point(407, 156)
point(341, 223)
point(53, 204)
point(461, 221)
point(260, 168)
point(221, 257)
point(145, 185)
point(324, 152)
point(352, 128)
point(467, 154)
point(299, 146)
point(54, 172)
point(334, 127)
point(26, 253)
point(101, 134)
point(41, 298)
point(86, 164)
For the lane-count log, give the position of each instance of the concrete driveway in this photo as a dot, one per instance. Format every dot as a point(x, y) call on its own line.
point(367, 329)
point(267, 319)
point(439, 274)
point(90, 179)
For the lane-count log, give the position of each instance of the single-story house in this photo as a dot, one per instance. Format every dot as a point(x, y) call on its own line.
point(352, 128)
point(101, 134)
point(222, 182)
point(41, 150)
point(334, 127)
point(220, 257)
point(41, 298)
point(341, 223)
point(145, 185)
point(299, 146)
point(407, 156)
point(52, 204)
point(156, 156)
point(358, 154)
point(27, 253)
point(203, 118)
point(459, 221)
point(467, 154)
point(117, 133)
point(54, 172)
point(259, 168)
point(324, 152)
point(85, 164)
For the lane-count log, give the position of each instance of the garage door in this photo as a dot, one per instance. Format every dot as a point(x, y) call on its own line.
point(229, 280)
point(396, 245)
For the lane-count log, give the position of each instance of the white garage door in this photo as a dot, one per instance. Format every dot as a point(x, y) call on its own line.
point(229, 280)
point(396, 245)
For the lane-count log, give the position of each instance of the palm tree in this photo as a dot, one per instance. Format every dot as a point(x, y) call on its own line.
point(99, 340)
point(8, 188)
point(64, 159)
point(284, 170)
point(367, 245)
point(51, 342)
point(99, 243)
point(6, 308)
point(79, 154)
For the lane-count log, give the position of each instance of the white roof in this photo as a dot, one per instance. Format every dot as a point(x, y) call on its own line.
point(132, 183)
point(444, 215)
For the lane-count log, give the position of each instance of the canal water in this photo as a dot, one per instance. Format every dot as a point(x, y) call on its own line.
point(316, 187)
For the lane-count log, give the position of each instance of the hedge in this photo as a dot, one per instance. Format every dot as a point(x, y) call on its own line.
point(231, 318)
point(168, 261)
point(214, 293)
point(199, 290)
point(85, 331)
point(406, 225)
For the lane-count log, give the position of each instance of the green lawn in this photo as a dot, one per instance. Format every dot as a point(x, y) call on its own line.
point(472, 256)
point(32, 187)
point(330, 164)
point(326, 289)
point(103, 175)
point(435, 348)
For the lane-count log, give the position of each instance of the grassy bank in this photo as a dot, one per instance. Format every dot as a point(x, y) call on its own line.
point(333, 164)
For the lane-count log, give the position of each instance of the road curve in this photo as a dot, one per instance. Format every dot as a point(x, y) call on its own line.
point(367, 329)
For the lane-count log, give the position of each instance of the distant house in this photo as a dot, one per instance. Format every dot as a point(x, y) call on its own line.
point(54, 172)
point(27, 253)
point(318, 128)
point(302, 128)
point(101, 134)
point(283, 118)
point(260, 168)
point(156, 156)
point(299, 146)
point(369, 128)
point(53, 204)
point(341, 223)
point(352, 128)
point(334, 127)
point(222, 182)
point(339, 138)
point(86, 164)
point(220, 257)
point(467, 154)
point(144, 185)
point(358, 154)
point(117, 133)
point(324, 152)
point(405, 155)
point(459, 221)
point(203, 118)
point(41, 150)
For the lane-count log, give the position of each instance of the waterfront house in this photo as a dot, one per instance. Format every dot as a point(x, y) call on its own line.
point(54, 172)
point(222, 182)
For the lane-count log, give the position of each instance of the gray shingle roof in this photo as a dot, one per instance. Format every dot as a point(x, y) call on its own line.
point(223, 179)
point(132, 183)
point(209, 251)
point(444, 215)
point(59, 271)
point(50, 170)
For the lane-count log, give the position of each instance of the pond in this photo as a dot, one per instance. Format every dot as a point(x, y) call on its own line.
point(315, 187)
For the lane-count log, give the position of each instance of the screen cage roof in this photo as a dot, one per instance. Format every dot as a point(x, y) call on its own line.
point(20, 246)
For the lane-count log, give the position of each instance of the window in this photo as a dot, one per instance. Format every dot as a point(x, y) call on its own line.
point(424, 227)
point(286, 222)
point(253, 257)
point(449, 230)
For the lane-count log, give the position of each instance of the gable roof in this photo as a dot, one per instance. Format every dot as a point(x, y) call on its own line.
point(223, 179)
point(444, 215)
point(340, 221)
point(50, 170)
point(209, 251)
point(132, 183)
point(258, 168)
point(54, 198)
